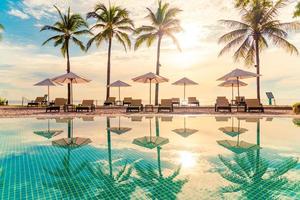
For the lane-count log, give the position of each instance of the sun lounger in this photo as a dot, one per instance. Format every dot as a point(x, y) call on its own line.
point(110, 101)
point(38, 101)
point(176, 101)
point(193, 101)
point(135, 106)
point(166, 105)
point(239, 101)
point(253, 104)
point(222, 103)
point(57, 105)
point(127, 101)
point(86, 105)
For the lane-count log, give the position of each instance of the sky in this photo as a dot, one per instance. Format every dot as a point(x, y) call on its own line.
point(24, 61)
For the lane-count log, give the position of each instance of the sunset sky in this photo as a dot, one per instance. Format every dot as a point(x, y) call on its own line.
point(23, 61)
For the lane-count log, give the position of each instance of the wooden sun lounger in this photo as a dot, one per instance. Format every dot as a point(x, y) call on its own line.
point(86, 105)
point(58, 104)
point(222, 103)
point(253, 105)
point(193, 101)
point(38, 101)
point(135, 106)
point(127, 101)
point(166, 105)
point(110, 101)
point(176, 101)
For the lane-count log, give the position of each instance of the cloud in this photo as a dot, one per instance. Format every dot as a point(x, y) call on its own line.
point(18, 13)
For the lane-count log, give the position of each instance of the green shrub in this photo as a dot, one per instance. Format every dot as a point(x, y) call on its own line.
point(296, 108)
point(2, 101)
point(296, 122)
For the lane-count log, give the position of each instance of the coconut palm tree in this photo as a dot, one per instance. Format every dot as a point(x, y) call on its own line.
point(111, 22)
point(67, 28)
point(120, 183)
point(258, 27)
point(164, 23)
point(1, 29)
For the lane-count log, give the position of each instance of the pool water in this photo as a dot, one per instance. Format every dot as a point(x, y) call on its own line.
point(145, 157)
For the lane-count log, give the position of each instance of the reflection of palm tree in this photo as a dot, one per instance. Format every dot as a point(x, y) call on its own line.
point(252, 175)
point(110, 186)
point(68, 179)
point(159, 186)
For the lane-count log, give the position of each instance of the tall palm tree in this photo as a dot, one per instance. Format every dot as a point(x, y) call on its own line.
point(67, 28)
point(164, 22)
point(1, 29)
point(259, 25)
point(111, 22)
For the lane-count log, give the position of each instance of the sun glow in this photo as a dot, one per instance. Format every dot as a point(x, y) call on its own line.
point(189, 37)
point(187, 159)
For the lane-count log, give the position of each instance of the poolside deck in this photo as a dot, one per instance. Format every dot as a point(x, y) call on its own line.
point(19, 111)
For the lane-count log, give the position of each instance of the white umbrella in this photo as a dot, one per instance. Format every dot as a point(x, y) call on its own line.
point(150, 78)
point(71, 78)
point(47, 82)
point(232, 84)
point(184, 81)
point(119, 84)
point(238, 74)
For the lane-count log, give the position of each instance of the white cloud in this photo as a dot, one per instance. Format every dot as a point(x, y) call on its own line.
point(18, 13)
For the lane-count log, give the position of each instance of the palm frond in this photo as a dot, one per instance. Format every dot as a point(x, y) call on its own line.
point(174, 39)
point(51, 28)
point(148, 38)
point(55, 38)
point(234, 24)
point(232, 35)
point(232, 44)
point(283, 43)
point(78, 43)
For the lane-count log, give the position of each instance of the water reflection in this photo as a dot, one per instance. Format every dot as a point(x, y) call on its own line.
point(255, 176)
point(185, 132)
point(156, 184)
point(49, 133)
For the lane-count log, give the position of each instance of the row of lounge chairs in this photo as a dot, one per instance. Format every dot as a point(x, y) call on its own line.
point(111, 101)
point(61, 103)
point(222, 104)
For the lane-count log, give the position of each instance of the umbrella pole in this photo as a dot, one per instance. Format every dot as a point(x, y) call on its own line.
point(232, 93)
point(184, 91)
point(150, 93)
point(238, 83)
point(48, 94)
point(119, 94)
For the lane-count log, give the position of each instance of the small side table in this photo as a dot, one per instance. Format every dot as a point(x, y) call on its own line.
point(119, 103)
point(69, 108)
point(149, 108)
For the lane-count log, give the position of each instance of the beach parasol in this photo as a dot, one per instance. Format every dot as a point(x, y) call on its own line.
point(184, 82)
point(48, 133)
point(119, 84)
point(150, 142)
point(47, 82)
point(185, 132)
point(232, 84)
point(119, 130)
point(150, 78)
point(238, 74)
point(71, 78)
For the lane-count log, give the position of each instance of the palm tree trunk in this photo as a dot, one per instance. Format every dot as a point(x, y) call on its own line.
point(68, 71)
point(108, 69)
point(157, 69)
point(158, 148)
point(257, 68)
point(258, 144)
point(109, 146)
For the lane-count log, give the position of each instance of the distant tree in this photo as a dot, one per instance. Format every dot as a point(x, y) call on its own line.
point(1, 29)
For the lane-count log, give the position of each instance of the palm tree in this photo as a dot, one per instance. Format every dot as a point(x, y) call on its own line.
point(68, 28)
point(164, 22)
point(112, 22)
point(1, 29)
point(259, 25)
point(120, 183)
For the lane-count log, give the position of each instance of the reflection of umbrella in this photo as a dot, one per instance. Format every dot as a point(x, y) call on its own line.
point(119, 130)
point(238, 147)
point(48, 133)
point(150, 142)
point(185, 132)
point(232, 84)
point(150, 78)
point(119, 84)
point(238, 74)
point(47, 82)
point(72, 79)
point(136, 118)
point(233, 131)
point(184, 81)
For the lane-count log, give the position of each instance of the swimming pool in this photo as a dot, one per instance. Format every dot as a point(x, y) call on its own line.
point(144, 157)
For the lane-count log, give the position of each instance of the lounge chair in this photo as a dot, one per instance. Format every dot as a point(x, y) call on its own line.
point(239, 101)
point(38, 101)
point(193, 101)
point(110, 101)
point(127, 101)
point(135, 106)
point(253, 104)
point(57, 105)
point(166, 105)
point(222, 103)
point(176, 101)
point(86, 105)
